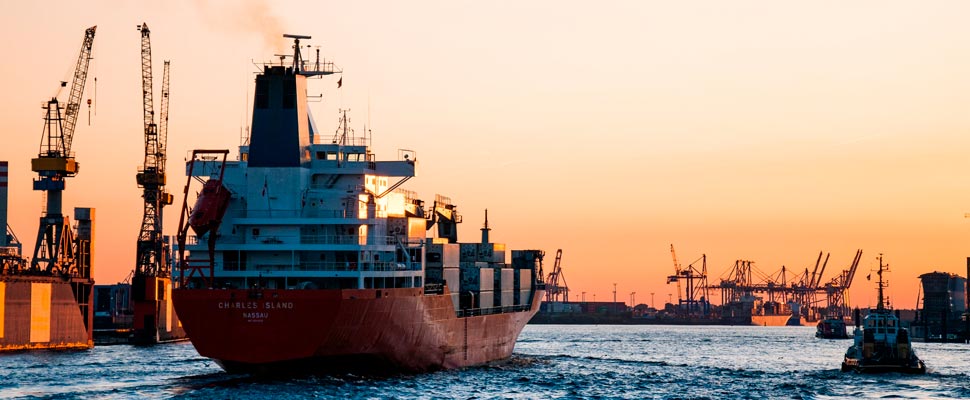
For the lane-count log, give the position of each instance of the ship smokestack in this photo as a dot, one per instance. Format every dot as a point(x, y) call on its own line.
point(4, 241)
point(485, 229)
point(280, 134)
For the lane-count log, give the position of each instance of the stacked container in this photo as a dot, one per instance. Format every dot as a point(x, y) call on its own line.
point(524, 263)
point(441, 265)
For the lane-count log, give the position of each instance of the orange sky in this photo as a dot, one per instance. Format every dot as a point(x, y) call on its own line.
point(744, 130)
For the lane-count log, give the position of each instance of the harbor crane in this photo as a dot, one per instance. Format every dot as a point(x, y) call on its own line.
point(57, 251)
point(153, 266)
point(744, 282)
point(695, 278)
point(837, 290)
point(676, 276)
point(556, 291)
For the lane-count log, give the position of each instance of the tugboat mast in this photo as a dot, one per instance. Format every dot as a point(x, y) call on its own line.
point(881, 305)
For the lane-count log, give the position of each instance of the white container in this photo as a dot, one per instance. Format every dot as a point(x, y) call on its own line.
point(452, 278)
point(507, 279)
point(487, 281)
point(486, 299)
point(525, 279)
point(451, 254)
point(508, 297)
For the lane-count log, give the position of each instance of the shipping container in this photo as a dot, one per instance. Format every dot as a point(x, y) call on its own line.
point(433, 273)
point(452, 277)
point(522, 279)
point(525, 259)
point(507, 298)
point(507, 279)
point(476, 278)
point(468, 252)
point(451, 255)
point(486, 299)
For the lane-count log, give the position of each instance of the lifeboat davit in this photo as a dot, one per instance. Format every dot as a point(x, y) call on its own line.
point(210, 207)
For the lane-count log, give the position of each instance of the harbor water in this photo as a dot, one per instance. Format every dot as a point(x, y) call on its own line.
point(550, 361)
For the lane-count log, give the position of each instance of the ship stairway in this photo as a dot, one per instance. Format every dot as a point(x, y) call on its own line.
point(394, 186)
point(332, 180)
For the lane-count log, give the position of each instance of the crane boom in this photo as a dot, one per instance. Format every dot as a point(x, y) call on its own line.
point(73, 107)
point(818, 279)
point(163, 121)
point(676, 276)
point(146, 76)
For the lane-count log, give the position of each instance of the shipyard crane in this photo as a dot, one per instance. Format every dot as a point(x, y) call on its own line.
point(676, 276)
point(556, 291)
point(56, 250)
point(150, 259)
point(837, 290)
point(152, 267)
point(696, 279)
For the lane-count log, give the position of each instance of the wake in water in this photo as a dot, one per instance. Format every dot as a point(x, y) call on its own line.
point(550, 361)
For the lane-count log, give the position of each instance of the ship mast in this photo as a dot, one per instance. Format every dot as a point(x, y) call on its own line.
point(881, 305)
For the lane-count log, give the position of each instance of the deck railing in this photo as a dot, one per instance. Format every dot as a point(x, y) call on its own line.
point(328, 266)
point(193, 240)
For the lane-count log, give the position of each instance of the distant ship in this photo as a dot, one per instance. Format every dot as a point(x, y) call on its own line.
point(308, 255)
point(831, 328)
point(881, 344)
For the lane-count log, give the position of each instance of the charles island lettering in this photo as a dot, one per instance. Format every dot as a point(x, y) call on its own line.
point(252, 305)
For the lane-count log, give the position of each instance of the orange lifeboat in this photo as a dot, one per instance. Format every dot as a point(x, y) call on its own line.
point(210, 207)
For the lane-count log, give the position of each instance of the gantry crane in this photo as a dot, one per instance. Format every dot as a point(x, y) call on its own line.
point(676, 276)
point(837, 291)
point(150, 281)
point(56, 250)
point(696, 279)
point(556, 288)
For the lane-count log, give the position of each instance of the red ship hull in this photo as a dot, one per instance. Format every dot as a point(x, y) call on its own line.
point(401, 330)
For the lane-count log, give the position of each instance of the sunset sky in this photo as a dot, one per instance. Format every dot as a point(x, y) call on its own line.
point(757, 130)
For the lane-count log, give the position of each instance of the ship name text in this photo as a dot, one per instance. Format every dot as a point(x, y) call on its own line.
point(253, 305)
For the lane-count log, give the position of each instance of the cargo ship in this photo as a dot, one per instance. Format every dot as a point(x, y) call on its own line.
point(305, 254)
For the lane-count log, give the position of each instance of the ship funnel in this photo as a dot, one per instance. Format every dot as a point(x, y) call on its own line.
point(280, 134)
point(4, 240)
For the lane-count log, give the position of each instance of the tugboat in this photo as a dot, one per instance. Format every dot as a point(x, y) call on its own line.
point(831, 328)
point(881, 345)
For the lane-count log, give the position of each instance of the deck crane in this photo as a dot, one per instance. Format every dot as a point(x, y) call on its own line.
point(556, 289)
point(56, 251)
point(152, 268)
